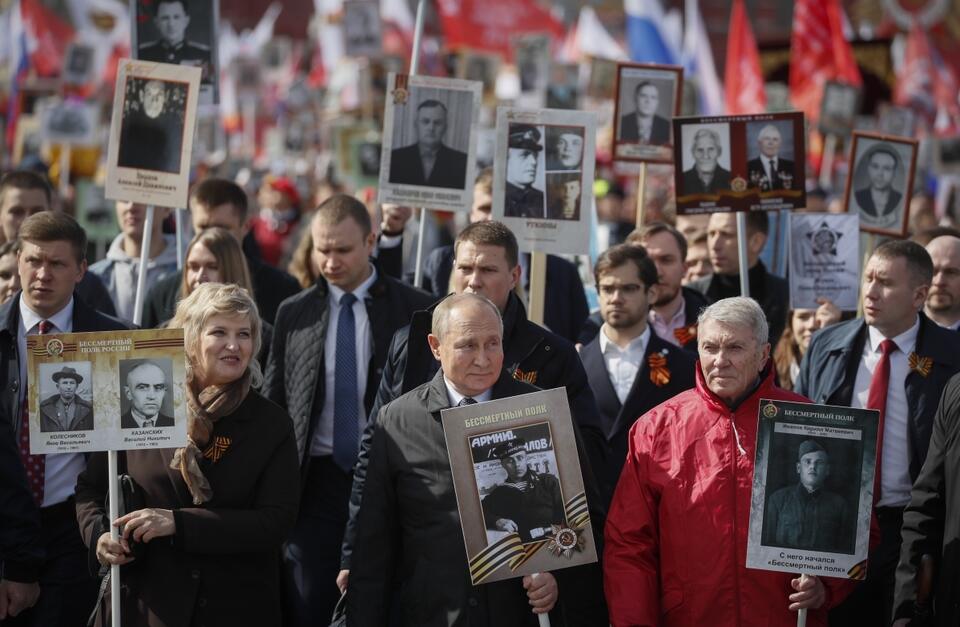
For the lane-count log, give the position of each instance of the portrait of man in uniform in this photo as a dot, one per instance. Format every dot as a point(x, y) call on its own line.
point(643, 125)
point(564, 147)
point(144, 389)
point(527, 502)
point(523, 200)
point(429, 162)
point(151, 129)
point(65, 410)
point(706, 176)
point(769, 170)
point(171, 18)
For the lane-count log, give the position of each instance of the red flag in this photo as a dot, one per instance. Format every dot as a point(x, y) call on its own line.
point(926, 83)
point(818, 53)
point(491, 24)
point(50, 37)
point(742, 76)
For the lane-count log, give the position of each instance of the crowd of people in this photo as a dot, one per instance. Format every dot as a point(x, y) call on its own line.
point(316, 471)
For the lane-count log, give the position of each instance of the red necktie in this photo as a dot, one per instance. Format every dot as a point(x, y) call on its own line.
point(877, 399)
point(35, 465)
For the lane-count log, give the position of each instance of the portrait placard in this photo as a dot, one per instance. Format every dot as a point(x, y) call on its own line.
point(563, 88)
point(824, 260)
point(946, 155)
point(880, 182)
point(894, 120)
point(179, 32)
point(812, 492)
point(71, 122)
point(151, 133)
point(739, 163)
point(519, 487)
point(531, 53)
point(838, 108)
point(430, 142)
point(473, 65)
point(543, 177)
point(113, 390)
point(362, 28)
point(78, 64)
point(647, 98)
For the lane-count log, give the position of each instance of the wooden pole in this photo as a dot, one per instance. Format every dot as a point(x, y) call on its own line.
point(826, 164)
point(538, 284)
point(641, 188)
point(64, 171)
point(114, 498)
point(868, 250)
point(178, 219)
point(742, 253)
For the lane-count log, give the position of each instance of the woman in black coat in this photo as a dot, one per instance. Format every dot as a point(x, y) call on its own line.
point(204, 549)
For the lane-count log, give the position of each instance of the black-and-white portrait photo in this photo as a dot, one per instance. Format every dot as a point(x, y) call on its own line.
point(146, 397)
point(78, 64)
point(645, 106)
point(563, 88)
point(564, 190)
point(812, 495)
point(152, 123)
point(894, 120)
point(770, 154)
point(879, 182)
point(71, 122)
point(180, 32)
point(564, 147)
point(66, 397)
point(839, 107)
point(706, 158)
point(532, 57)
point(431, 138)
point(368, 158)
point(518, 483)
point(524, 197)
point(362, 28)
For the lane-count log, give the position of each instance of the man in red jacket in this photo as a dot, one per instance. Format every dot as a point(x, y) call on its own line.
point(676, 534)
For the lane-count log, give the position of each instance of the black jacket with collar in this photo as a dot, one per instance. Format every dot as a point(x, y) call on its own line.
point(410, 533)
point(644, 395)
point(828, 373)
point(295, 377)
point(20, 519)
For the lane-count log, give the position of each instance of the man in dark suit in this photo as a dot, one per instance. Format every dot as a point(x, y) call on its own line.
point(65, 411)
point(145, 388)
point(522, 199)
point(879, 202)
point(151, 136)
point(897, 361)
point(429, 162)
point(328, 351)
point(769, 171)
point(706, 176)
point(51, 263)
point(630, 369)
point(408, 528)
point(223, 203)
point(644, 125)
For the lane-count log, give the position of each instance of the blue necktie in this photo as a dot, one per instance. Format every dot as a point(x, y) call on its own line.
point(346, 410)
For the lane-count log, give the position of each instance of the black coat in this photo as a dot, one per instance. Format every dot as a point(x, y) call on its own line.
point(222, 566)
point(92, 290)
point(931, 523)
point(295, 369)
point(409, 532)
point(865, 201)
point(565, 308)
point(630, 130)
point(531, 354)
point(756, 170)
point(449, 169)
point(693, 185)
point(270, 288)
point(617, 418)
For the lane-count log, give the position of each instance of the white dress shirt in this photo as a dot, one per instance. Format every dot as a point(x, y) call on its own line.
point(623, 364)
point(455, 397)
point(895, 482)
point(61, 470)
point(322, 442)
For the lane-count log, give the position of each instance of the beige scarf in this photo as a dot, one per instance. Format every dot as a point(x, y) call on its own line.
point(204, 409)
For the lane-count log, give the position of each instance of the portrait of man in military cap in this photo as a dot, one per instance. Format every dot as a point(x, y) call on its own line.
point(523, 198)
point(62, 408)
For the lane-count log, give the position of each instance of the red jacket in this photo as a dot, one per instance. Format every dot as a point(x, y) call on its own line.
point(676, 534)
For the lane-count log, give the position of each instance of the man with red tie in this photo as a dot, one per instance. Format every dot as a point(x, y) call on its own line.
point(51, 263)
point(897, 361)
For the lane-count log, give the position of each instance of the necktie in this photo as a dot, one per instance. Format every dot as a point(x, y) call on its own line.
point(877, 399)
point(35, 465)
point(773, 172)
point(147, 424)
point(346, 411)
point(466, 400)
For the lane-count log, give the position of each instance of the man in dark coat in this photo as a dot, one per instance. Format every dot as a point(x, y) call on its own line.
point(65, 411)
point(769, 171)
point(314, 372)
point(839, 367)
point(429, 162)
point(706, 176)
point(522, 199)
point(223, 203)
point(151, 134)
point(51, 263)
point(408, 528)
point(644, 125)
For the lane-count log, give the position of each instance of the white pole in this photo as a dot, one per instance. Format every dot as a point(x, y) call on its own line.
point(742, 253)
point(178, 218)
point(826, 162)
point(65, 151)
point(414, 67)
point(144, 260)
point(543, 618)
point(802, 618)
point(114, 490)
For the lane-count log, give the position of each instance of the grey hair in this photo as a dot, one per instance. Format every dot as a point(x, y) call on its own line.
point(767, 130)
point(441, 313)
point(709, 132)
point(739, 311)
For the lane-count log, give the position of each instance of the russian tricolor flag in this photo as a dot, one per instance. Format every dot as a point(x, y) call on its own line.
point(646, 33)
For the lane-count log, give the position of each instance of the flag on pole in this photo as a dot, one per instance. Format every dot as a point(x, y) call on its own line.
point(698, 65)
point(589, 38)
point(927, 84)
point(647, 36)
point(743, 77)
point(819, 52)
point(490, 25)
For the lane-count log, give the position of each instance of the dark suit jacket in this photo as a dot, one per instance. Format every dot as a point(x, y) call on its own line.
point(82, 417)
point(755, 167)
point(295, 369)
point(409, 531)
point(127, 421)
point(828, 373)
point(865, 201)
point(617, 418)
point(221, 567)
point(769, 290)
point(151, 144)
point(565, 308)
point(92, 290)
point(693, 185)
point(449, 170)
point(21, 551)
point(630, 129)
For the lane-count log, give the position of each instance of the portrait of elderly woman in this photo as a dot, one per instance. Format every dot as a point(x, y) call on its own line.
point(205, 547)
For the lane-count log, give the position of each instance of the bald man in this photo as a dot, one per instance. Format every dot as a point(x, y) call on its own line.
point(943, 299)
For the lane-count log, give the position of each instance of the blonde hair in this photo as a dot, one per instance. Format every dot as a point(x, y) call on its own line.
point(225, 247)
point(217, 299)
point(301, 264)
